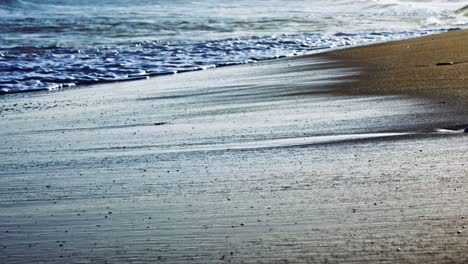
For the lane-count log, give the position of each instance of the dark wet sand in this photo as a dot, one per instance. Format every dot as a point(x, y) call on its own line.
point(434, 66)
point(261, 163)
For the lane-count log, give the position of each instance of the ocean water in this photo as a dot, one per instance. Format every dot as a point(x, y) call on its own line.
point(51, 44)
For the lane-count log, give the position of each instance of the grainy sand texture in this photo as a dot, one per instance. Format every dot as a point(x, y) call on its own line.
point(348, 157)
point(434, 66)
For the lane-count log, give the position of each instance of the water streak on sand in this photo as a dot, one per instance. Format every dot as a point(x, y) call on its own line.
point(241, 159)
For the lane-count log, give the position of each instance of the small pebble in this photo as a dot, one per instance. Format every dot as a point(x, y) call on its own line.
point(444, 63)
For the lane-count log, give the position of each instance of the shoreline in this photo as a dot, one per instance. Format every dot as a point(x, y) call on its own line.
point(321, 50)
point(279, 161)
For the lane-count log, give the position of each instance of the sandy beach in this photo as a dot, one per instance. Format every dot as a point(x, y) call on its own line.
point(353, 156)
point(434, 66)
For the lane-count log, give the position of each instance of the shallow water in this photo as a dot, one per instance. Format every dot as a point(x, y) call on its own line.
point(85, 22)
point(53, 44)
point(54, 67)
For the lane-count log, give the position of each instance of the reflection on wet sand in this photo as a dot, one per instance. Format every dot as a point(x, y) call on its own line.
point(253, 163)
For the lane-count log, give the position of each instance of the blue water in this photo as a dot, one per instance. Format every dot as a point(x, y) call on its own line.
point(51, 44)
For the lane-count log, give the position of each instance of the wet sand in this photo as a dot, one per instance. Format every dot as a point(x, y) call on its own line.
point(272, 162)
point(434, 66)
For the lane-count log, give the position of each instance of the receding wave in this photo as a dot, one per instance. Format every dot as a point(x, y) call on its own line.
point(35, 68)
point(49, 44)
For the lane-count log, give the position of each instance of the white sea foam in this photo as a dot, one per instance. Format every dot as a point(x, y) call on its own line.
point(57, 43)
